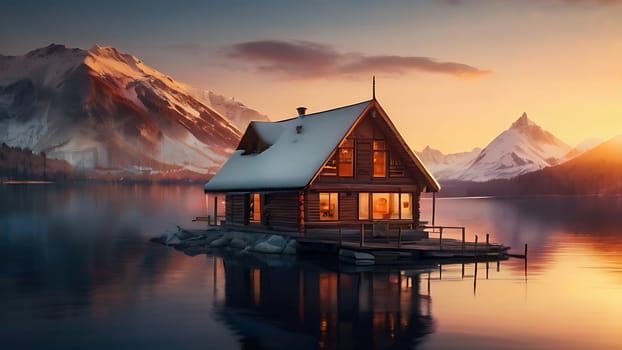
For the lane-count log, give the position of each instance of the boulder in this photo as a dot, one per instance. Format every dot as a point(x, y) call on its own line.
point(237, 243)
point(220, 242)
point(273, 245)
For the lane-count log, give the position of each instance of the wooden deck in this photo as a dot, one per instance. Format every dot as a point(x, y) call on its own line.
point(386, 251)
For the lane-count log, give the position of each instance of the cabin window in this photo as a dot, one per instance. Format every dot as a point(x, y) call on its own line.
point(363, 206)
point(346, 158)
point(380, 158)
point(255, 208)
point(385, 206)
point(406, 209)
point(342, 162)
point(330, 169)
point(329, 206)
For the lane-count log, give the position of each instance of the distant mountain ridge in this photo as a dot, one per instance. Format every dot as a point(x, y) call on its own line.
point(598, 171)
point(524, 147)
point(105, 109)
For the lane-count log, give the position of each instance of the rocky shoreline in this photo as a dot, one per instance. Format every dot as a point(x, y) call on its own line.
point(194, 242)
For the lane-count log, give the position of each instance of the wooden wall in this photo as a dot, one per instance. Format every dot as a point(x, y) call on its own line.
point(368, 130)
point(237, 209)
point(283, 209)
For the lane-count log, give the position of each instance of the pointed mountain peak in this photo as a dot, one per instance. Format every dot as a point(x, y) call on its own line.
point(523, 121)
point(48, 50)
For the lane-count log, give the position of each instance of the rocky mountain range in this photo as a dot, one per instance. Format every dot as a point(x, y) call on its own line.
point(105, 110)
point(524, 147)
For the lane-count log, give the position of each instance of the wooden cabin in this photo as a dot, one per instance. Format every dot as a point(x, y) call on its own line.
point(343, 166)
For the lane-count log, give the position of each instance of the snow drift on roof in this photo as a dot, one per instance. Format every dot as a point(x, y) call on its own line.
point(293, 158)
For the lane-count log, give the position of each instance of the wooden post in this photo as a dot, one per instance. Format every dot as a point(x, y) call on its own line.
point(475, 247)
point(487, 239)
point(362, 242)
point(463, 240)
point(440, 240)
point(399, 236)
point(433, 208)
point(525, 261)
point(215, 211)
point(301, 214)
point(340, 239)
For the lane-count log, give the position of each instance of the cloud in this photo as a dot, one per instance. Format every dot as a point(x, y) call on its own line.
point(303, 59)
point(403, 64)
point(296, 58)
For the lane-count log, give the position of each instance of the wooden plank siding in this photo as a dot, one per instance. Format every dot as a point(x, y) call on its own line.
point(283, 209)
point(363, 135)
point(237, 209)
point(295, 210)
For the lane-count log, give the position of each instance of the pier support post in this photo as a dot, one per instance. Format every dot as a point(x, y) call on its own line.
point(340, 237)
point(463, 239)
point(433, 208)
point(487, 239)
point(215, 211)
point(362, 243)
point(440, 239)
point(525, 261)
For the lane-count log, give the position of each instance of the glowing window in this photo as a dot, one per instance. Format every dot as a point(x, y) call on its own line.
point(386, 206)
point(380, 158)
point(346, 158)
point(363, 206)
point(255, 210)
point(329, 206)
point(406, 211)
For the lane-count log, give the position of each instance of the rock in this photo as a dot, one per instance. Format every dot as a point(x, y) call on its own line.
point(356, 257)
point(237, 243)
point(289, 250)
point(220, 242)
point(291, 247)
point(194, 250)
point(277, 240)
point(267, 248)
point(173, 240)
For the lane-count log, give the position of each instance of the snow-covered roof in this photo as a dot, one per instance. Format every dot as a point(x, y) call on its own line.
point(292, 158)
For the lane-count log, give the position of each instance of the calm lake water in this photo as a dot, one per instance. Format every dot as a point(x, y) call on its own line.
point(77, 272)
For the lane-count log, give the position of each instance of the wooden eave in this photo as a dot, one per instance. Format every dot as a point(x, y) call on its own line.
point(345, 135)
point(431, 184)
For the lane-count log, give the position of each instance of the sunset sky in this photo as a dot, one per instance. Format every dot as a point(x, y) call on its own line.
point(451, 74)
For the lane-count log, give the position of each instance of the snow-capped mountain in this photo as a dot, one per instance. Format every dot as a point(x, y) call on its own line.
point(523, 148)
point(447, 166)
point(234, 111)
point(102, 108)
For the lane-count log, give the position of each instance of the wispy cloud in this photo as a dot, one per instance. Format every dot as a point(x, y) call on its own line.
point(303, 59)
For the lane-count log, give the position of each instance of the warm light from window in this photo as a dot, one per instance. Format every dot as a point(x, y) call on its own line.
point(329, 206)
point(380, 158)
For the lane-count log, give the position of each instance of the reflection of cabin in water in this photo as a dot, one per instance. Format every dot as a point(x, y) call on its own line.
point(280, 307)
point(347, 165)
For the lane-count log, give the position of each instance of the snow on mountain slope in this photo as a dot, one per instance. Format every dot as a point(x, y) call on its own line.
point(235, 111)
point(447, 166)
point(102, 108)
point(523, 148)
